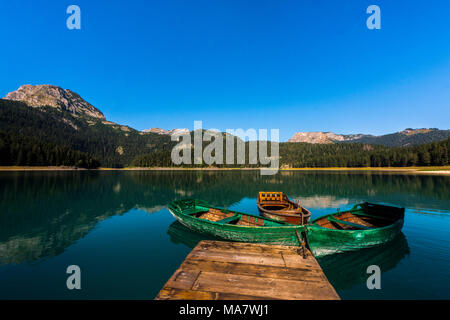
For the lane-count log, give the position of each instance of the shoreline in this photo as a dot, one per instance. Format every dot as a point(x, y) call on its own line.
point(444, 170)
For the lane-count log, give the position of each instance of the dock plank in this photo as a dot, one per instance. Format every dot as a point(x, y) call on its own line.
point(264, 271)
point(245, 247)
point(183, 279)
point(179, 294)
point(265, 287)
point(219, 270)
point(241, 257)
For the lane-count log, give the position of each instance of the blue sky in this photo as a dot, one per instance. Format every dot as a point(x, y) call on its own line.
point(303, 65)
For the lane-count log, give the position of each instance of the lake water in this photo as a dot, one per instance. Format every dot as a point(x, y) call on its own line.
point(116, 227)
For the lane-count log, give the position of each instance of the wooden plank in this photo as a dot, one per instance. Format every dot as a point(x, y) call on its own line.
point(256, 270)
point(183, 279)
point(242, 271)
point(265, 287)
point(249, 258)
point(350, 224)
point(245, 247)
point(179, 294)
point(297, 261)
point(261, 251)
point(168, 293)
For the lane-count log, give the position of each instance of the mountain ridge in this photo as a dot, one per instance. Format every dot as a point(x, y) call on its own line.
point(322, 137)
point(172, 132)
point(403, 138)
point(50, 95)
point(61, 128)
point(45, 136)
point(45, 95)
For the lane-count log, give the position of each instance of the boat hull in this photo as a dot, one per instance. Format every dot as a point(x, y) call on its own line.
point(277, 206)
point(296, 219)
point(281, 235)
point(323, 241)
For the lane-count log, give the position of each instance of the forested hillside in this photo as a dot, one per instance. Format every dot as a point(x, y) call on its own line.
point(112, 144)
point(19, 150)
point(407, 137)
point(306, 155)
point(298, 155)
point(48, 136)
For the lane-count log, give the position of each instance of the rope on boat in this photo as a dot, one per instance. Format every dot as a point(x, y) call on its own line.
point(302, 246)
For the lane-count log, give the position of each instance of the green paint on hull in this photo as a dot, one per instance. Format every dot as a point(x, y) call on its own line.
point(273, 232)
point(323, 241)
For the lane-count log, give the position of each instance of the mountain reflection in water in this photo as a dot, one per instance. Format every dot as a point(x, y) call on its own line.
point(43, 213)
point(181, 234)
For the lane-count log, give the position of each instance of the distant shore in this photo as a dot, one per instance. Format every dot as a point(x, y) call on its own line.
point(39, 168)
point(442, 170)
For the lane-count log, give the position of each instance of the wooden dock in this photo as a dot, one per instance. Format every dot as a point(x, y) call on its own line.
point(218, 270)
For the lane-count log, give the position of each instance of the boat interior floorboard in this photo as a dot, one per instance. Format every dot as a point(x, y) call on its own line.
point(214, 215)
point(353, 221)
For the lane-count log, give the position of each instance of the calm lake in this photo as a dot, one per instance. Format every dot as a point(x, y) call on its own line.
point(116, 227)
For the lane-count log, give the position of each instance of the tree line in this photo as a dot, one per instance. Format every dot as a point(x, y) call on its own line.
point(298, 155)
point(19, 150)
point(112, 144)
point(46, 136)
point(306, 155)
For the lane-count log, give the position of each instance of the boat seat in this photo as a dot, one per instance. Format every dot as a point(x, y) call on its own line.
point(215, 215)
point(372, 216)
point(229, 219)
point(250, 221)
point(351, 224)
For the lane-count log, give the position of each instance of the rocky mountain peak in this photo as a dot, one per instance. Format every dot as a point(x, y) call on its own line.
point(56, 97)
point(311, 137)
point(410, 131)
point(323, 137)
point(173, 132)
point(406, 137)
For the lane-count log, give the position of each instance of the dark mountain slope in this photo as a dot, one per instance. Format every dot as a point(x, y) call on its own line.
point(408, 137)
point(112, 144)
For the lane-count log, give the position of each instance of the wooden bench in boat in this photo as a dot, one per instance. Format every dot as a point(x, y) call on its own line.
point(374, 217)
point(353, 220)
point(215, 215)
point(229, 219)
point(223, 217)
point(250, 221)
point(350, 224)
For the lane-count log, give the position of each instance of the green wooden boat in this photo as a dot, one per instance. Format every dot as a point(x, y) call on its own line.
point(199, 216)
point(365, 225)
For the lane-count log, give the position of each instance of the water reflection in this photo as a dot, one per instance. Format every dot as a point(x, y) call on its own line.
point(42, 213)
point(346, 270)
point(321, 201)
point(181, 234)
